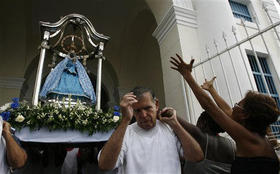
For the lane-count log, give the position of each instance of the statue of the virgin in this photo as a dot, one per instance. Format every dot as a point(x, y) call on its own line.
point(69, 78)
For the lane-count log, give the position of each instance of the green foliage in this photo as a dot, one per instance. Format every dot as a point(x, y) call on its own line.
point(57, 116)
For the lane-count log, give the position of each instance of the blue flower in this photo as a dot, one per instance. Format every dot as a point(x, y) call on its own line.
point(116, 108)
point(5, 115)
point(14, 105)
point(15, 100)
point(116, 113)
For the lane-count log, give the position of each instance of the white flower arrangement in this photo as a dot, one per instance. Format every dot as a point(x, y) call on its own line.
point(58, 116)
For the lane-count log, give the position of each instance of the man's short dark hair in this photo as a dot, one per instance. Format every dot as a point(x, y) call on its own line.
point(139, 91)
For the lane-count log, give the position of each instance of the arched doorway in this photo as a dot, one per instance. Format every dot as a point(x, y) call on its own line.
point(132, 46)
point(132, 54)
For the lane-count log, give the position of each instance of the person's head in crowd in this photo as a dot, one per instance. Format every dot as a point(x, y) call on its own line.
point(207, 125)
point(146, 109)
point(256, 112)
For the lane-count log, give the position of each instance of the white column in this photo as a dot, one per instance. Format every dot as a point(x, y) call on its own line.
point(178, 22)
point(37, 86)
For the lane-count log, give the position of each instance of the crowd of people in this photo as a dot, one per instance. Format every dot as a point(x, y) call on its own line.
point(161, 142)
point(246, 123)
point(154, 144)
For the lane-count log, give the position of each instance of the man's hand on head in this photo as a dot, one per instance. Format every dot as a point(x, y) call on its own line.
point(126, 105)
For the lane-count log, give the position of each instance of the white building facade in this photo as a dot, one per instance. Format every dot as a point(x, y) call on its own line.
point(235, 40)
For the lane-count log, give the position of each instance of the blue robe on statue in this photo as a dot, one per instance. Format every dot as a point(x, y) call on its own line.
point(68, 78)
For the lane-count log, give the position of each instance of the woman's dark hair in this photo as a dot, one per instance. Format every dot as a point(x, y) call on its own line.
point(207, 125)
point(262, 110)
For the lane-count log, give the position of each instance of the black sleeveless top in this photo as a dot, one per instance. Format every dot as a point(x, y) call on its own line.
point(255, 165)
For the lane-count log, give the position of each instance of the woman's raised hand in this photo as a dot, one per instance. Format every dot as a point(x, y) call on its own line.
point(181, 66)
point(207, 85)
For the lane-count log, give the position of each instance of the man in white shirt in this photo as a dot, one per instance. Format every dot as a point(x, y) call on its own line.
point(11, 154)
point(148, 146)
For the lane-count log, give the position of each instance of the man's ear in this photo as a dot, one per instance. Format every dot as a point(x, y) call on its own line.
point(157, 108)
point(157, 104)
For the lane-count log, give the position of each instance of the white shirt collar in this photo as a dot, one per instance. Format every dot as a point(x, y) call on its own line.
point(143, 132)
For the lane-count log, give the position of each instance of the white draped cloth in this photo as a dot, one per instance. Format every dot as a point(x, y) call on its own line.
point(43, 135)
